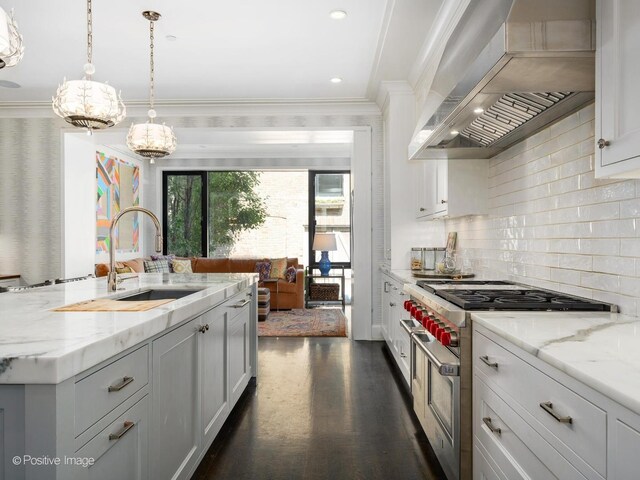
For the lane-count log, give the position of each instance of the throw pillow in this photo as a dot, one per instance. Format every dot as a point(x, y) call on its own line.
point(290, 274)
point(278, 267)
point(157, 266)
point(169, 258)
point(264, 269)
point(181, 266)
point(124, 270)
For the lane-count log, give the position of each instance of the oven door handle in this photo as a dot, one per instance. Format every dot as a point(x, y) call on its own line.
point(444, 369)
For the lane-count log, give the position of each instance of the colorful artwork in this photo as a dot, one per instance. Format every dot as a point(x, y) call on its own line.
point(118, 187)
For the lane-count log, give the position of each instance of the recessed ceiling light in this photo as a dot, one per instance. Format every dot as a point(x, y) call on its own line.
point(336, 80)
point(171, 38)
point(478, 110)
point(338, 14)
point(454, 132)
point(9, 84)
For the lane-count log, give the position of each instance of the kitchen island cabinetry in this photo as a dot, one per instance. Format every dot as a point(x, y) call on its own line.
point(617, 132)
point(450, 188)
point(148, 411)
point(532, 420)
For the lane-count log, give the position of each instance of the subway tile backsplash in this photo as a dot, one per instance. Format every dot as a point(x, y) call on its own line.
point(552, 224)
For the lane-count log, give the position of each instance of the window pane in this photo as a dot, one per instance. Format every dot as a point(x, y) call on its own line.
point(333, 213)
point(184, 215)
point(329, 185)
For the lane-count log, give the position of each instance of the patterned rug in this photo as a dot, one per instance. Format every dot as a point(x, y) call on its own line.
point(315, 322)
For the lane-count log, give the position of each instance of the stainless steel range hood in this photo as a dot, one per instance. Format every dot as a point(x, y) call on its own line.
point(523, 64)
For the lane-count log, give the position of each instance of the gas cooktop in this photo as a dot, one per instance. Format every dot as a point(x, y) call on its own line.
point(504, 295)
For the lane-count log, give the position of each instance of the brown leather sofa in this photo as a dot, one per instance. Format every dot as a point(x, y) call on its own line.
point(284, 295)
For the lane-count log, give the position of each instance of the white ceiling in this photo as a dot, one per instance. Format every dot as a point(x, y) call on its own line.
point(225, 50)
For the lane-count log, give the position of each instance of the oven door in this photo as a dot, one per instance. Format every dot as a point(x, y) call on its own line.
point(436, 394)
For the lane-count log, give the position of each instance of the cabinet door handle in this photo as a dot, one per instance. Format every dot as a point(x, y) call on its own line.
point(128, 425)
point(403, 355)
point(250, 294)
point(603, 143)
point(422, 209)
point(391, 304)
point(487, 422)
point(485, 360)
point(443, 201)
point(394, 287)
point(203, 328)
point(386, 287)
point(119, 386)
point(548, 407)
point(239, 305)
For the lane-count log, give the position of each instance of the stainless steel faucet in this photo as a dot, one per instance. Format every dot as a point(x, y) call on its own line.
point(112, 283)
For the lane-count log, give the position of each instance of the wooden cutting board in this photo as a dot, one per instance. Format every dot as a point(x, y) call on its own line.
point(109, 305)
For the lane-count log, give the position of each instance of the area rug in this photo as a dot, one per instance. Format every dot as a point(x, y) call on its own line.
point(313, 322)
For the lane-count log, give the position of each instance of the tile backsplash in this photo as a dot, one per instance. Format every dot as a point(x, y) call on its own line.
point(552, 224)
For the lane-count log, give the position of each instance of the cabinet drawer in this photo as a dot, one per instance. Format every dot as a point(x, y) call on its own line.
point(517, 449)
point(102, 391)
point(573, 421)
point(238, 304)
point(120, 451)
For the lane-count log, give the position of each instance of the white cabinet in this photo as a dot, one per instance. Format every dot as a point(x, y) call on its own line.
point(392, 312)
point(214, 377)
point(120, 450)
point(175, 435)
point(531, 420)
point(238, 341)
point(450, 188)
point(617, 93)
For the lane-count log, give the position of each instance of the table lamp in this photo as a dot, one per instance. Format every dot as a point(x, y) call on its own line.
point(324, 242)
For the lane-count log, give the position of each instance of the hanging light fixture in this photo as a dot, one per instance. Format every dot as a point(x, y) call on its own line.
point(151, 139)
point(85, 103)
point(11, 47)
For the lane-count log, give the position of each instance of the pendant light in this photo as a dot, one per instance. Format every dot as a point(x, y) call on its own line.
point(11, 47)
point(85, 103)
point(151, 139)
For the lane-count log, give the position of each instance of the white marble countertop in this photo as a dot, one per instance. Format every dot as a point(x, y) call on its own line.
point(38, 345)
point(403, 276)
point(601, 350)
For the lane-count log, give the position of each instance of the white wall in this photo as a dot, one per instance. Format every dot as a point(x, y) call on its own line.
point(552, 224)
point(31, 198)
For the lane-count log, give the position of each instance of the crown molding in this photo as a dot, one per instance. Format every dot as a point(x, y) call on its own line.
point(390, 89)
point(195, 107)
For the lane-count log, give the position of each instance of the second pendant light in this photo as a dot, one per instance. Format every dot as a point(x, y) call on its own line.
point(151, 139)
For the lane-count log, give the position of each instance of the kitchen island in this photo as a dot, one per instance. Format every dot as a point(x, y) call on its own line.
point(556, 394)
point(114, 394)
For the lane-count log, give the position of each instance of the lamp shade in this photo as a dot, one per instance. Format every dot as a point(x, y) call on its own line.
point(324, 242)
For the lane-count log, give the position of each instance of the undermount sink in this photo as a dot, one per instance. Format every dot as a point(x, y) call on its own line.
point(159, 294)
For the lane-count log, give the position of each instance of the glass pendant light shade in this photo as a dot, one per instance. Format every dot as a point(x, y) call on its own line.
point(85, 103)
point(151, 140)
point(88, 104)
point(11, 47)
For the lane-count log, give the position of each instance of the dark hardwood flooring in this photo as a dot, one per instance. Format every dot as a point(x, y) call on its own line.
point(323, 408)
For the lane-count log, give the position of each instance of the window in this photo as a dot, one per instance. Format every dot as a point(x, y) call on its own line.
point(330, 185)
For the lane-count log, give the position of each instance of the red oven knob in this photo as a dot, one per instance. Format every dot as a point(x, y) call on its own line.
point(427, 321)
point(407, 305)
point(445, 339)
point(419, 314)
point(413, 311)
point(433, 328)
point(440, 333)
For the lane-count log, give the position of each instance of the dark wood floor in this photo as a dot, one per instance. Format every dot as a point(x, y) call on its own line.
point(323, 408)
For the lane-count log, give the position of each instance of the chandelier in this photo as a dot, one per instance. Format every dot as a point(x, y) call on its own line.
point(85, 103)
point(151, 139)
point(11, 47)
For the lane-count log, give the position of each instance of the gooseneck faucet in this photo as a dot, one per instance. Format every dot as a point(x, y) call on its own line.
point(113, 276)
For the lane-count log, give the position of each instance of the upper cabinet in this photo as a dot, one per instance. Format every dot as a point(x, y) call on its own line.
point(450, 188)
point(617, 132)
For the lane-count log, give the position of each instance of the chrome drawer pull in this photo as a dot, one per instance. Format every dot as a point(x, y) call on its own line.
point(485, 360)
point(548, 407)
point(239, 305)
point(123, 383)
point(487, 422)
point(128, 425)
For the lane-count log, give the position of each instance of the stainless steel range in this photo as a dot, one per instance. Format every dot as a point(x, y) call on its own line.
point(439, 313)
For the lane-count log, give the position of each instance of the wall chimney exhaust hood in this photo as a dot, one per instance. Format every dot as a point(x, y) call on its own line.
point(519, 65)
